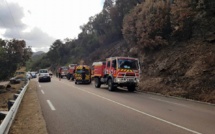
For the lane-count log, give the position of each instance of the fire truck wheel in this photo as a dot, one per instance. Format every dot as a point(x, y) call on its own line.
point(131, 88)
point(110, 85)
point(97, 83)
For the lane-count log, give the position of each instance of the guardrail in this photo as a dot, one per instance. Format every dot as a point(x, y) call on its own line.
point(10, 115)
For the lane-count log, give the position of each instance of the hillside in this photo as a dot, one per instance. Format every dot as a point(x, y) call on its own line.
point(37, 53)
point(186, 69)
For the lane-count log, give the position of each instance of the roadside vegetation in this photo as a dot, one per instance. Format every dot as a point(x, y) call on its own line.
point(13, 55)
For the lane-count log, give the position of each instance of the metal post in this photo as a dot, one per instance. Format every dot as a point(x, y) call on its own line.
point(10, 104)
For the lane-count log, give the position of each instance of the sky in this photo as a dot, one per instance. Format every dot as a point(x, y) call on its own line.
point(41, 22)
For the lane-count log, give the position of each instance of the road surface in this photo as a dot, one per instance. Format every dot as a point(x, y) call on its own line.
point(83, 109)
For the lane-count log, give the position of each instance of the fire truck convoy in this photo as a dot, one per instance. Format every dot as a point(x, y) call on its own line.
point(117, 71)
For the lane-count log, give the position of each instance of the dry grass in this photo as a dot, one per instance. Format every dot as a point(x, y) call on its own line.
point(29, 119)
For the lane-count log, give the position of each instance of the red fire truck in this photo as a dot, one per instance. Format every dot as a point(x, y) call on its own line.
point(100, 63)
point(71, 71)
point(63, 72)
point(118, 71)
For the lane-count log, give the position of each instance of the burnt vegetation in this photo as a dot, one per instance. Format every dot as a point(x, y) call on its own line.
point(174, 40)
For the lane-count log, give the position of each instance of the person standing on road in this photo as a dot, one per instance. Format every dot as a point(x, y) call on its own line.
point(59, 73)
point(83, 73)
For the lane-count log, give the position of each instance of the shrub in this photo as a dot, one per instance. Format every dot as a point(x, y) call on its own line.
point(148, 25)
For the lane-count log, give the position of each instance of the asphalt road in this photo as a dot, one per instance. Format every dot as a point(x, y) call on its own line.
point(83, 109)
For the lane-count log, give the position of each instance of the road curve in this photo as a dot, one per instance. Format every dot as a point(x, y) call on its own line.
point(82, 109)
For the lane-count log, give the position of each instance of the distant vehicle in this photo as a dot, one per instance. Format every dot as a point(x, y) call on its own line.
point(118, 71)
point(33, 74)
point(28, 76)
point(64, 71)
point(71, 71)
point(83, 74)
point(44, 75)
point(20, 75)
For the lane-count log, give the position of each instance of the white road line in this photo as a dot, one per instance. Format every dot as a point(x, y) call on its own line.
point(138, 111)
point(42, 92)
point(168, 102)
point(51, 105)
point(39, 86)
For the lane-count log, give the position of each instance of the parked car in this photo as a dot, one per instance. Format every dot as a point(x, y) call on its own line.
point(28, 76)
point(33, 74)
point(18, 77)
point(44, 75)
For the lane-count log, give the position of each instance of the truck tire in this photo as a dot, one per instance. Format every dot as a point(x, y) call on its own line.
point(131, 88)
point(110, 85)
point(97, 83)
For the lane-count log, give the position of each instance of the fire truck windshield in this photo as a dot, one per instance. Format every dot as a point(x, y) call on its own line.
point(128, 64)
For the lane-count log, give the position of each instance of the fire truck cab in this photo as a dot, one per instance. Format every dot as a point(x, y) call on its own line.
point(118, 71)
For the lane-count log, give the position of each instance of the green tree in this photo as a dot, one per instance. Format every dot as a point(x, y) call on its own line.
point(14, 54)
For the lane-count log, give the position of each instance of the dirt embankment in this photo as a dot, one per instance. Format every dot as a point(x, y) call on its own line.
point(182, 69)
point(6, 93)
point(29, 119)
